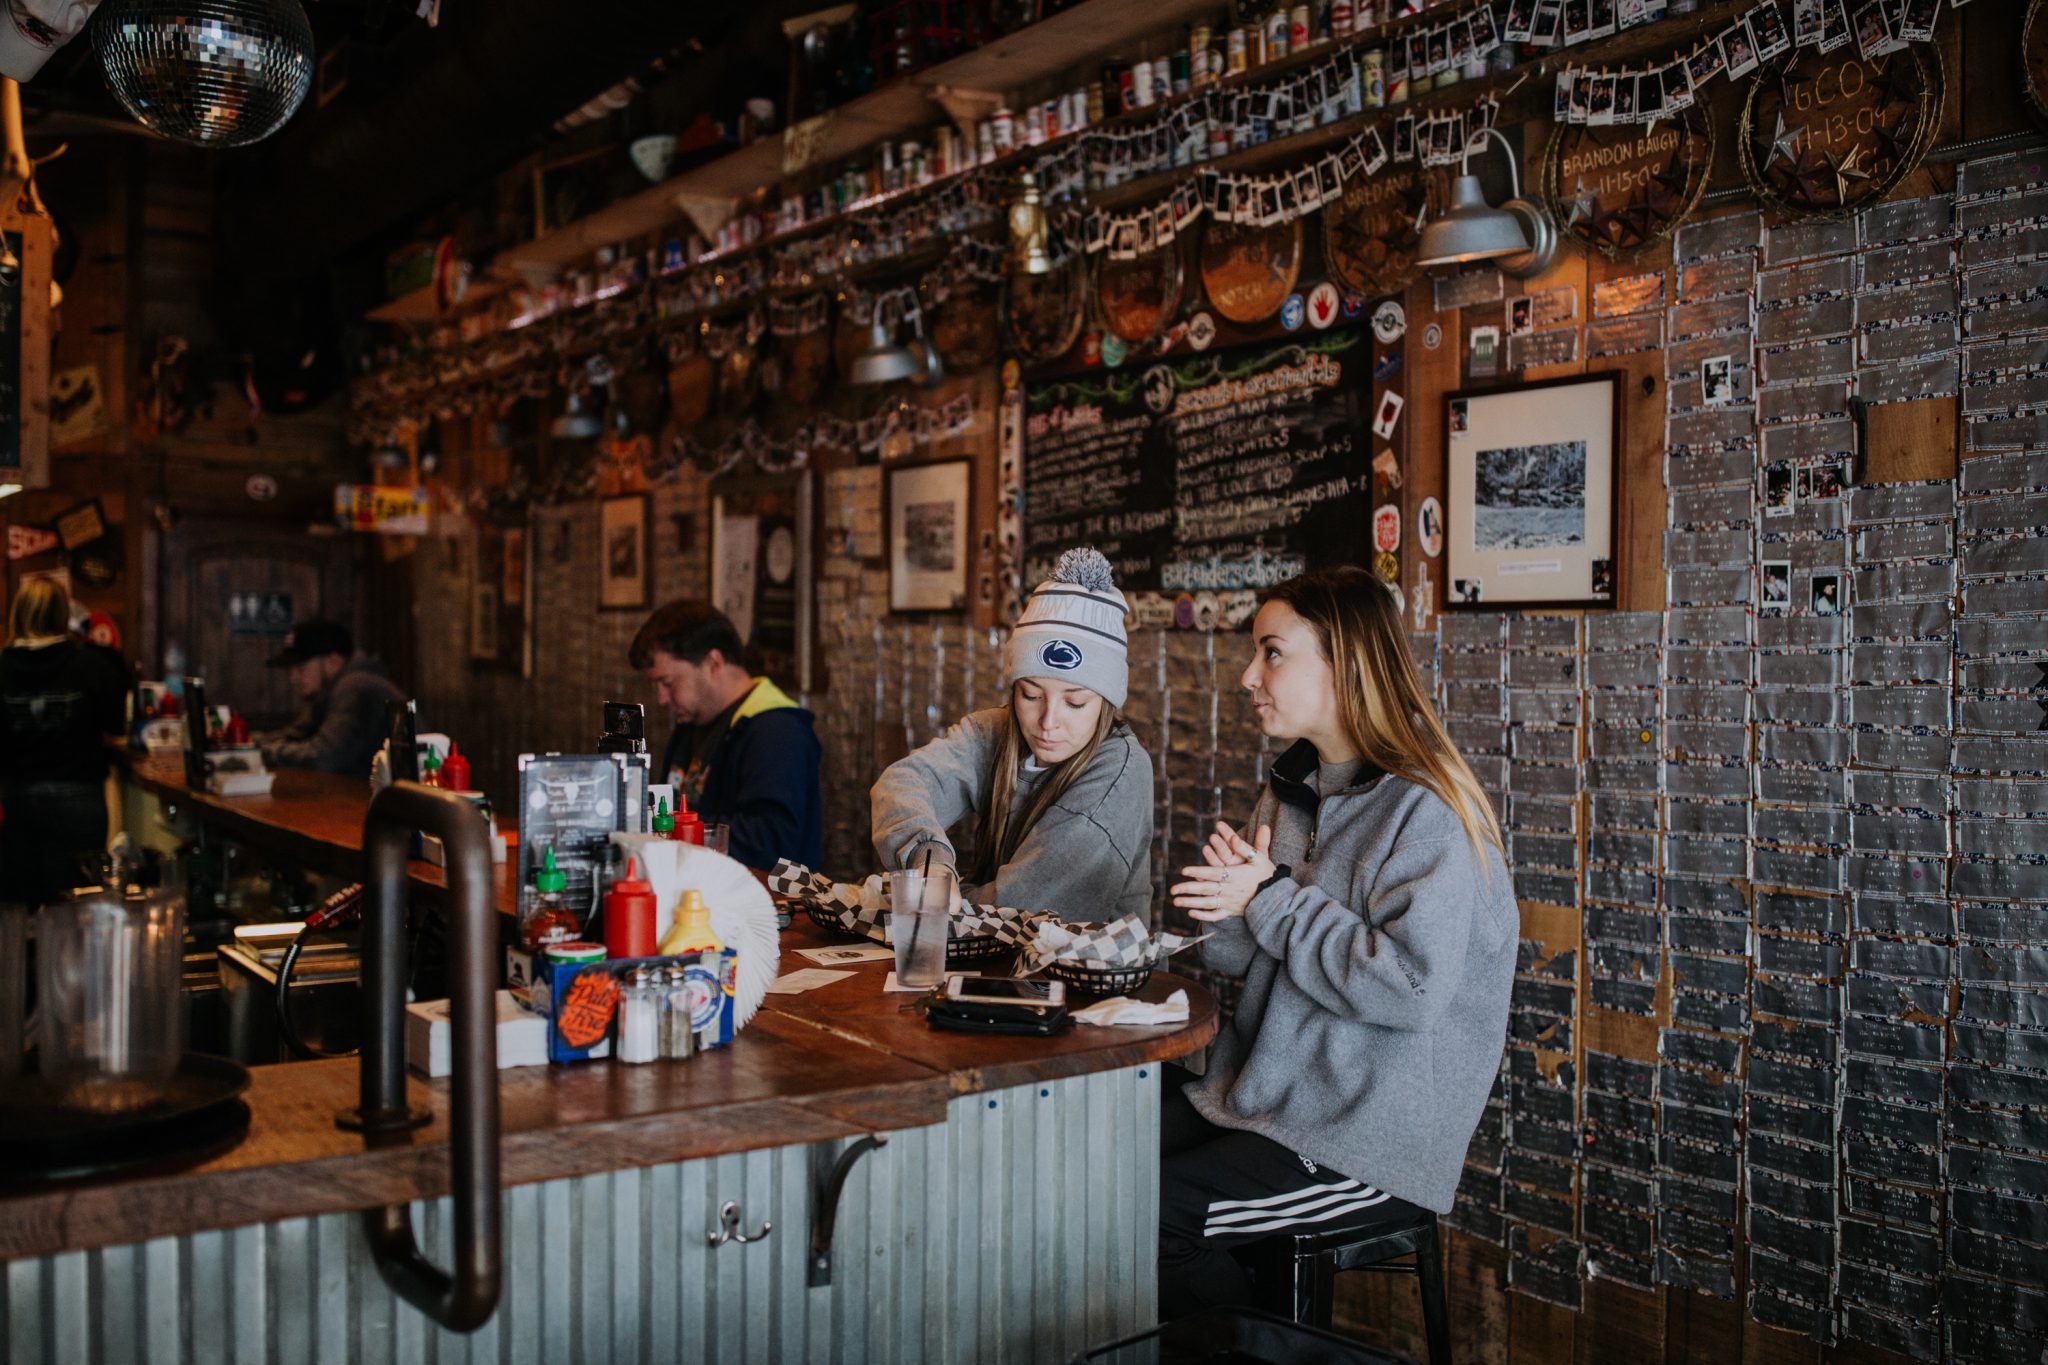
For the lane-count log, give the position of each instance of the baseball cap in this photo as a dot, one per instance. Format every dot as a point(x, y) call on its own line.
point(310, 640)
point(33, 29)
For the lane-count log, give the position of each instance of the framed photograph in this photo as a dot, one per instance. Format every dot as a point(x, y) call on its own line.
point(1532, 480)
point(929, 514)
point(622, 544)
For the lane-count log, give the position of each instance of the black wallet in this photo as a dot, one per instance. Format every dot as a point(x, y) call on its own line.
point(977, 1016)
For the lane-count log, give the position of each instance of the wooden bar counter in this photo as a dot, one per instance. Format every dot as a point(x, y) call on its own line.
point(1010, 1215)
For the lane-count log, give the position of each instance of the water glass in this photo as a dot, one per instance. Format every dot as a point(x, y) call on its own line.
point(718, 838)
point(110, 974)
point(920, 921)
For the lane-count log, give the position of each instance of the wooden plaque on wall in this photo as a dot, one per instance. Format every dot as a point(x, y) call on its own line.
point(1369, 235)
point(1823, 136)
point(1619, 187)
point(25, 353)
point(1138, 298)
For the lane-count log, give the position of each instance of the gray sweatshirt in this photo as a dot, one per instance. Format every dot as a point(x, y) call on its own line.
point(1376, 976)
point(1089, 858)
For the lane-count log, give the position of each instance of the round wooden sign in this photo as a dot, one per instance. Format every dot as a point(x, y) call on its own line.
point(1369, 234)
point(1139, 297)
point(805, 362)
point(964, 329)
point(739, 379)
point(1042, 313)
point(2034, 60)
point(1823, 136)
point(1619, 187)
point(1247, 271)
point(691, 382)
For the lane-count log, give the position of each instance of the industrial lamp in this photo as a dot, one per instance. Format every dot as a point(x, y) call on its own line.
point(883, 362)
point(575, 424)
point(1028, 228)
point(1518, 236)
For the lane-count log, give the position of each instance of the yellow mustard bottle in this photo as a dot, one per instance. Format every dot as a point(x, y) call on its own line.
point(691, 930)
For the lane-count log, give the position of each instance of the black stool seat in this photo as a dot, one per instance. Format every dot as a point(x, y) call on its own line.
point(1295, 1271)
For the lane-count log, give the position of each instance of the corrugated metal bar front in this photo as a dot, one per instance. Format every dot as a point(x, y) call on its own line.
point(1023, 1229)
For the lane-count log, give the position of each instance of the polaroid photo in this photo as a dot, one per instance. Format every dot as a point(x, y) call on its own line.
point(1650, 96)
point(1601, 19)
point(1164, 228)
point(1780, 500)
point(1271, 210)
point(1288, 199)
point(1484, 36)
point(1677, 87)
point(1517, 26)
point(1825, 594)
point(1834, 29)
point(1873, 30)
point(1351, 162)
point(1578, 21)
point(1777, 585)
point(1458, 137)
point(1600, 109)
point(1376, 150)
point(1418, 54)
point(1319, 91)
point(1916, 24)
point(1738, 49)
point(1188, 207)
point(1095, 232)
point(1717, 381)
point(1208, 185)
point(1461, 42)
point(1543, 32)
point(1148, 232)
point(1397, 63)
point(1329, 178)
point(1439, 41)
point(1123, 243)
point(1809, 18)
point(1389, 413)
point(1521, 315)
point(1703, 65)
point(1629, 13)
point(1441, 133)
point(1582, 96)
point(1767, 26)
point(1826, 482)
point(1308, 190)
point(1624, 97)
point(1804, 483)
point(1404, 138)
point(1561, 98)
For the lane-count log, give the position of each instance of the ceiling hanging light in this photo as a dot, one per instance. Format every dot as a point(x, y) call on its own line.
point(1518, 236)
point(212, 73)
point(1028, 229)
point(575, 424)
point(883, 362)
point(931, 370)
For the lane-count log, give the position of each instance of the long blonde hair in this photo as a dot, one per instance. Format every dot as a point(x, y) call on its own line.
point(41, 607)
point(997, 835)
point(1385, 711)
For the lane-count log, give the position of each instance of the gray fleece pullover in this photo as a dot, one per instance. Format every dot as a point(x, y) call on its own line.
point(1376, 975)
point(1089, 858)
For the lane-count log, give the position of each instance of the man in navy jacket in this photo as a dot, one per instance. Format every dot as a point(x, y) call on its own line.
point(743, 752)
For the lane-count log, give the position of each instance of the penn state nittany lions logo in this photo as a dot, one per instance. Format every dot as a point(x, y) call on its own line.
point(1061, 654)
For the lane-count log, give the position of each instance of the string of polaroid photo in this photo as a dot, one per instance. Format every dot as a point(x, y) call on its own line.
point(1285, 194)
point(1596, 96)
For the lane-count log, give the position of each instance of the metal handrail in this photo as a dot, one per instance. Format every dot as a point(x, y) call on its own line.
point(463, 1300)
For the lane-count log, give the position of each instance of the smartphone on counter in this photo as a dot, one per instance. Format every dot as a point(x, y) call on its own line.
point(1000, 1004)
point(1006, 990)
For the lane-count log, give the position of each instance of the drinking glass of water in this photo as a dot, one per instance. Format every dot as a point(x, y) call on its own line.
point(920, 905)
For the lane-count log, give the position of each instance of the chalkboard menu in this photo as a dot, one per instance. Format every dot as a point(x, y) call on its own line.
point(1235, 469)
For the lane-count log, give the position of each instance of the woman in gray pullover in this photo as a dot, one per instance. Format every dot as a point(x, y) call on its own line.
point(1374, 924)
point(1060, 788)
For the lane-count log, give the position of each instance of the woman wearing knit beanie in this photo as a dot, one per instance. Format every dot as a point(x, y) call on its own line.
point(1058, 788)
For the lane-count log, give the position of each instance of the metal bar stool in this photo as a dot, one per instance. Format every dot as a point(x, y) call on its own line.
point(1295, 1273)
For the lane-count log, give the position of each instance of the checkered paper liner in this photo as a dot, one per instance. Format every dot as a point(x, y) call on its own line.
point(864, 910)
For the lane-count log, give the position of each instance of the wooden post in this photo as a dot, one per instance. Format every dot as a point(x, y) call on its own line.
point(24, 307)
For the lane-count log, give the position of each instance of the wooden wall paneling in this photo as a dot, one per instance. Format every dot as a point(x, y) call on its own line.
point(1540, 1333)
point(1700, 1329)
point(1475, 1284)
point(1860, 1353)
point(1619, 1324)
point(1640, 533)
point(1984, 97)
point(1763, 1345)
point(1911, 441)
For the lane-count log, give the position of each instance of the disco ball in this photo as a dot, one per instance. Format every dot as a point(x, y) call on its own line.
point(214, 73)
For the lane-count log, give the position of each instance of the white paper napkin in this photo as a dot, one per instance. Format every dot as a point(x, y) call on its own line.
point(1124, 1009)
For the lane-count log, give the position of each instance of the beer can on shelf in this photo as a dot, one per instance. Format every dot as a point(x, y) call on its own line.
point(1298, 29)
point(1235, 58)
point(1277, 29)
point(1372, 68)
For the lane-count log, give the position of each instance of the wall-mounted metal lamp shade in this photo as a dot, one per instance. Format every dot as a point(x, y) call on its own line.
point(1029, 232)
point(1471, 230)
point(931, 371)
point(214, 73)
point(1518, 236)
point(575, 424)
point(883, 362)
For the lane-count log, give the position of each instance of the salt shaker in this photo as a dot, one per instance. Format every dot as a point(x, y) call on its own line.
point(678, 1039)
point(640, 1018)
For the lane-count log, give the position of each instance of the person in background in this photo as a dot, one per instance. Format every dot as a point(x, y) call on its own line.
point(59, 700)
point(743, 752)
point(1373, 922)
point(341, 723)
point(1059, 787)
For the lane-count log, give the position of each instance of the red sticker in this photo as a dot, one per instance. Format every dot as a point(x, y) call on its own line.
point(1386, 528)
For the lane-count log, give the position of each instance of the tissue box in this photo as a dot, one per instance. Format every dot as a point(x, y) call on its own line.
point(581, 1000)
point(429, 1034)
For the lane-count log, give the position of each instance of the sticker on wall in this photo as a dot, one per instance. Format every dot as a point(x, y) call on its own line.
point(1432, 337)
point(1323, 305)
point(1386, 367)
point(1201, 331)
point(1013, 374)
point(260, 487)
point(1091, 349)
point(1208, 611)
point(1387, 566)
point(1184, 611)
point(1291, 312)
point(1239, 607)
point(1717, 381)
point(1389, 322)
point(1354, 306)
point(1154, 610)
point(1388, 414)
point(1113, 350)
point(1429, 527)
point(1386, 477)
point(1484, 360)
point(1386, 528)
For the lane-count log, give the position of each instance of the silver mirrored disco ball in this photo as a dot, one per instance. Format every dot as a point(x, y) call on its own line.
point(214, 73)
